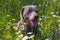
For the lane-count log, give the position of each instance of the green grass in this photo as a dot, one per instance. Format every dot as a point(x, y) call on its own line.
point(49, 18)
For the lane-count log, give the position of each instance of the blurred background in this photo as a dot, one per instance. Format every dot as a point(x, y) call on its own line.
point(49, 18)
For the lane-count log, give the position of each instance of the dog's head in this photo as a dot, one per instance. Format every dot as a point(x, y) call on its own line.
point(30, 15)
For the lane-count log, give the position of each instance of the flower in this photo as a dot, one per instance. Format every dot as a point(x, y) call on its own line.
point(59, 25)
point(57, 12)
point(40, 19)
point(51, 12)
point(13, 19)
point(40, 5)
point(58, 20)
point(54, 15)
point(20, 36)
point(8, 15)
point(18, 32)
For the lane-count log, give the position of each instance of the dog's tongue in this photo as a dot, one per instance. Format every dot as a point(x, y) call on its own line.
point(33, 23)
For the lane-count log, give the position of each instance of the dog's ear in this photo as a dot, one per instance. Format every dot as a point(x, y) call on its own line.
point(21, 15)
point(21, 12)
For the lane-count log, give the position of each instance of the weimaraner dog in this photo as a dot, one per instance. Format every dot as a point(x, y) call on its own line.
point(28, 21)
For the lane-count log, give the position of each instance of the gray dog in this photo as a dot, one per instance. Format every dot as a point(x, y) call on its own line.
point(28, 21)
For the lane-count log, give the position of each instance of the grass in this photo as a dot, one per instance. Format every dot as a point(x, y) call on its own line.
point(49, 18)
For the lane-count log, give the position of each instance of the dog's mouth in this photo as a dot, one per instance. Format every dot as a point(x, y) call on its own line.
point(33, 22)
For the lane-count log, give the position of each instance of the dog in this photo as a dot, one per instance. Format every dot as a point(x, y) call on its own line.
point(28, 21)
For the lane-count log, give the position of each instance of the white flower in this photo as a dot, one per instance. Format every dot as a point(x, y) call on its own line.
point(48, 39)
point(13, 19)
point(58, 20)
point(59, 25)
point(8, 15)
point(0, 28)
point(38, 23)
point(51, 12)
point(18, 32)
point(46, 5)
point(15, 28)
point(40, 5)
point(57, 12)
point(43, 16)
point(54, 15)
point(40, 18)
point(20, 36)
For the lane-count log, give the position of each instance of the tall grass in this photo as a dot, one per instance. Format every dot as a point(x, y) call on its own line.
point(49, 18)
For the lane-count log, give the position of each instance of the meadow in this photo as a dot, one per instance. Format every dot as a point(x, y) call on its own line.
point(49, 18)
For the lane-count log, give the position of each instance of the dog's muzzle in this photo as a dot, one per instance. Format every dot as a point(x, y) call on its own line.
point(33, 22)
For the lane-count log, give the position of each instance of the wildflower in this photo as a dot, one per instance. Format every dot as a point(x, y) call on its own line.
point(51, 12)
point(18, 32)
point(57, 12)
point(20, 36)
point(13, 19)
point(8, 15)
point(46, 5)
point(38, 23)
point(40, 18)
point(54, 15)
point(40, 5)
point(48, 39)
point(58, 20)
point(15, 28)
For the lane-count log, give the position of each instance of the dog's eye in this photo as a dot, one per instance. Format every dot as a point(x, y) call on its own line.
point(36, 11)
point(30, 11)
